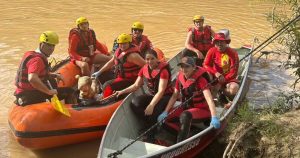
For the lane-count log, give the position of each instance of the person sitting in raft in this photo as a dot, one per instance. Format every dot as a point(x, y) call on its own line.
point(127, 61)
point(223, 62)
point(33, 75)
point(192, 82)
point(84, 49)
point(142, 41)
point(88, 87)
point(198, 40)
point(157, 77)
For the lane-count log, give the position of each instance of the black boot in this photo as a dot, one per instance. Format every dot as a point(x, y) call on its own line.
point(222, 98)
point(185, 124)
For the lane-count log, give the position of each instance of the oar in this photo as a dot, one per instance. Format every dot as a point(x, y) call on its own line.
point(58, 106)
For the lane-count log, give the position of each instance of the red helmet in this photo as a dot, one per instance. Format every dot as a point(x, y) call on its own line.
point(220, 37)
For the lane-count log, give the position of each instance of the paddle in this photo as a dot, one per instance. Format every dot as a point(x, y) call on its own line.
point(58, 106)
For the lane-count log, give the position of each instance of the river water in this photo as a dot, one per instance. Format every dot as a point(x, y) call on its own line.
point(166, 24)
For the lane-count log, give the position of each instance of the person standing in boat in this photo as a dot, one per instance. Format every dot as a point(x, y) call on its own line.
point(198, 40)
point(157, 76)
point(127, 61)
point(33, 74)
point(222, 62)
point(142, 41)
point(84, 49)
point(192, 84)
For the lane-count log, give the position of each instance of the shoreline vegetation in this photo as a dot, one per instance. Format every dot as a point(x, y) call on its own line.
point(269, 132)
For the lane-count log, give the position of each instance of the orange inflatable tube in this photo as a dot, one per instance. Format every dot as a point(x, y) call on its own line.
point(39, 126)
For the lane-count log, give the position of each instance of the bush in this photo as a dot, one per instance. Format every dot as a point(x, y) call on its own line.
point(290, 40)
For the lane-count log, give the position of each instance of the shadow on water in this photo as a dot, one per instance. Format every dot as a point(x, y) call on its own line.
point(269, 80)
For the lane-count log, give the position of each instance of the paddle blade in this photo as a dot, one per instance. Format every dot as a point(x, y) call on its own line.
point(59, 106)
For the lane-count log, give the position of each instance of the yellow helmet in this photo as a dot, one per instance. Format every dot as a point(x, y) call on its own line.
point(198, 17)
point(137, 25)
point(49, 37)
point(81, 20)
point(124, 38)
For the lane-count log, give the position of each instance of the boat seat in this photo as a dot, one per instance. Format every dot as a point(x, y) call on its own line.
point(139, 148)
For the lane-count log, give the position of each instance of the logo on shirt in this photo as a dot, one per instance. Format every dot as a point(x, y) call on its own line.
point(225, 63)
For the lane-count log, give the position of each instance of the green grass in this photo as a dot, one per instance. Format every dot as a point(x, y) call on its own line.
point(265, 121)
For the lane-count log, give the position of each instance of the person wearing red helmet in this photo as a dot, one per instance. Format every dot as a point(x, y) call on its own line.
point(223, 62)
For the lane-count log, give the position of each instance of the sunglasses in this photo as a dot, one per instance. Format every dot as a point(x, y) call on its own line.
point(219, 42)
point(49, 45)
point(185, 66)
point(198, 21)
point(137, 30)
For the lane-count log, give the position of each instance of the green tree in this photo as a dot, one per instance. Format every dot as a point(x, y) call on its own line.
point(282, 13)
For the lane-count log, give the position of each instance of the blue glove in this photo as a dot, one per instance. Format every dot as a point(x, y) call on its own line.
point(96, 74)
point(215, 122)
point(162, 116)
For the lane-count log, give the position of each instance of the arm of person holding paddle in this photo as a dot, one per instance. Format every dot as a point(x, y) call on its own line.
point(37, 83)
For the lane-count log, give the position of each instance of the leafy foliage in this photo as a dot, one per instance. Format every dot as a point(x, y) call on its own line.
point(283, 12)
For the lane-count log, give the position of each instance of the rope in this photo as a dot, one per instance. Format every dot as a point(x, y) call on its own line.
point(58, 64)
point(268, 41)
point(273, 37)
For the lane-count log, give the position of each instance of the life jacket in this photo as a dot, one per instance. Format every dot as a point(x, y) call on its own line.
point(124, 69)
point(153, 81)
point(82, 48)
point(21, 80)
point(142, 42)
point(188, 88)
point(202, 40)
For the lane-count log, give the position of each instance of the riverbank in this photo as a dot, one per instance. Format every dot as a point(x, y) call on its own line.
point(268, 126)
point(265, 125)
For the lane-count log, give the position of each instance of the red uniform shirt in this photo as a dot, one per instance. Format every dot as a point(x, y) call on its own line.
point(34, 65)
point(226, 63)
